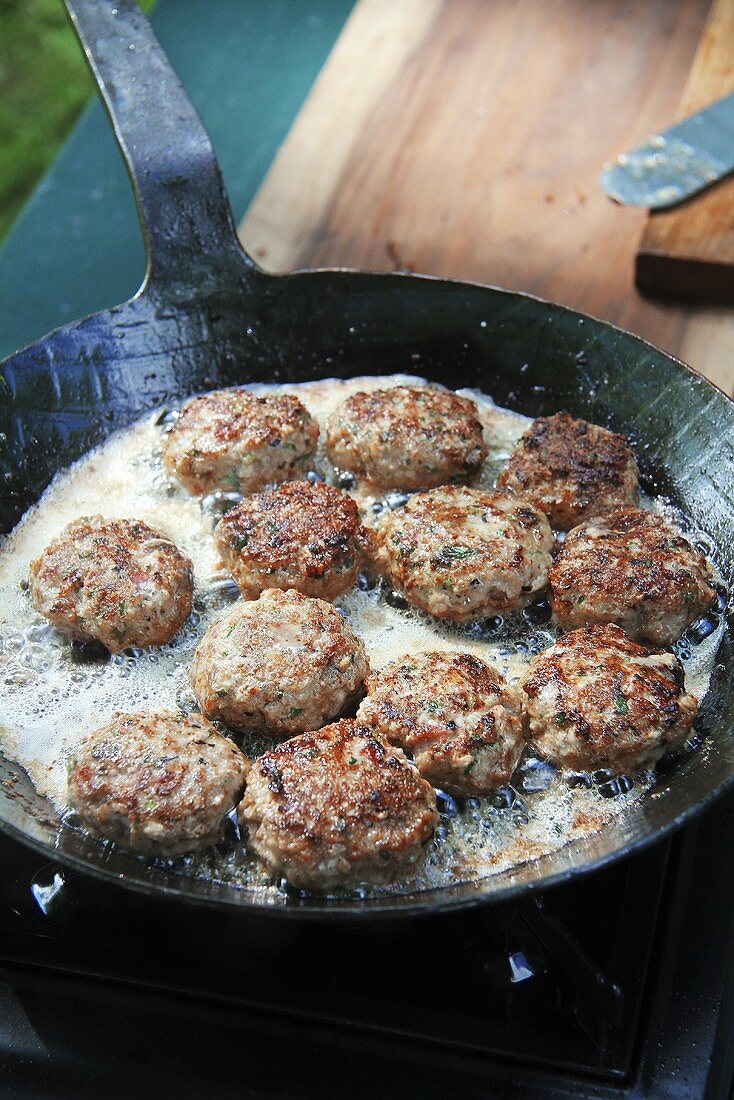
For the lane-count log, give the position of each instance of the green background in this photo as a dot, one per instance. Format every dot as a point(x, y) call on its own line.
point(76, 247)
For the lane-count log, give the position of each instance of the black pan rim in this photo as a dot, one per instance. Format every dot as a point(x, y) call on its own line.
point(257, 272)
point(469, 894)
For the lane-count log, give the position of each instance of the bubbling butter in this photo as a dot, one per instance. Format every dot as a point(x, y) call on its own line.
point(51, 694)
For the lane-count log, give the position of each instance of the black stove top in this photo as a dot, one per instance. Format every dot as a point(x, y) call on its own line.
point(619, 984)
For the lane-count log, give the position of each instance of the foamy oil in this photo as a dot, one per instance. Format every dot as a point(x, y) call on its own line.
point(52, 692)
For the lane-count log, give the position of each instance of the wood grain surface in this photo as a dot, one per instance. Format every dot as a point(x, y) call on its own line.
point(689, 251)
point(464, 138)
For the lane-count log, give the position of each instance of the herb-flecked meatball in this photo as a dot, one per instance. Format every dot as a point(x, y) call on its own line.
point(117, 582)
point(337, 807)
point(301, 535)
point(596, 699)
point(453, 713)
point(407, 437)
point(233, 440)
point(283, 663)
point(157, 784)
point(634, 569)
point(464, 554)
point(571, 469)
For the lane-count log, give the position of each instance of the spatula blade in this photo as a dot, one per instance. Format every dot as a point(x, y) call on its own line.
point(677, 163)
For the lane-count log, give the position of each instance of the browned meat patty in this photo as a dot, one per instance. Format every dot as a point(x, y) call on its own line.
point(158, 784)
point(117, 582)
point(337, 807)
point(301, 535)
point(572, 470)
point(407, 437)
point(230, 439)
point(595, 699)
point(454, 714)
point(634, 569)
point(283, 663)
point(463, 554)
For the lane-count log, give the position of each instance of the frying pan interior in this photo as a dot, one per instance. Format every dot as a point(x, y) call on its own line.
point(206, 316)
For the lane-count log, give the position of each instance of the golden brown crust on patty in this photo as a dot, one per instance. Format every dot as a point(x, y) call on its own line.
point(117, 582)
point(453, 713)
point(632, 568)
point(301, 535)
point(337, 806)
point(158, 784)
point(463, 554)
point(232, 439)
point(407, 437)
point(572, 470)
point(596, 699)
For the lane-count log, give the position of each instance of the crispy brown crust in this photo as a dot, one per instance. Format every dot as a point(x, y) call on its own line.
point(232, 439)
point(572, 469)
point(158, 784)
point(634, 569)
point(454, 713)
point(463, 554)
point(407, 437)
point(596, 699)
point(117, 582)
point(337, 806)
point(301, 535)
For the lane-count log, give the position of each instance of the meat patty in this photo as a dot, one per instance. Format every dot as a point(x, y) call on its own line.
point(571, 469)
point(464, 554)
point(407, 437)
point(632, 568)
point(157, 784)
point(595, 699)
point(337, 807)
point(453, 713)
point(283, 663)
point(231, 439)
point(301, 535)
point(117, 582)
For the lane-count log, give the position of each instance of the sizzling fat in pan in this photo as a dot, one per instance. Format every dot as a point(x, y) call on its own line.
point(51, 697)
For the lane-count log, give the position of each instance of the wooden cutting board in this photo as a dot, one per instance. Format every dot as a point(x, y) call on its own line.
point(688, 252)
point(464, 138)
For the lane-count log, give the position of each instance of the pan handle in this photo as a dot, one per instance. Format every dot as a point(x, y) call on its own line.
point(187, 223)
